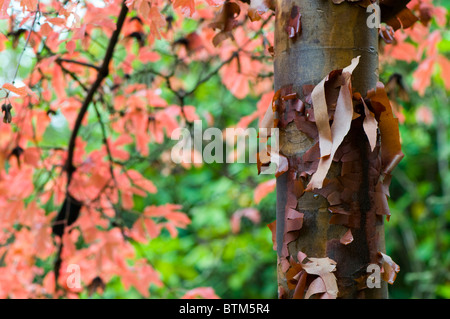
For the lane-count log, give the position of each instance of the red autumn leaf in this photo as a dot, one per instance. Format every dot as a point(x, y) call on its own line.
point(235, 81)
point(21, 91)
point(187, 6)
point(422, 76)
point(200, 293)
point(146, 55)
point(71, 46)
point(445, 70)
point(46, 29)
point(263, 189)
point(57, 21)
point(402, 51)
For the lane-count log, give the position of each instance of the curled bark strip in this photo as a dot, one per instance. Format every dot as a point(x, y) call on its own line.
point(316, 287)
point(324, 267)
point(273, 228)
point(225, 22)
point(294, 26)
point(295, 220)
point(321, 117)
point(347, 238)
point(391, 152)
point(300, 287)
point(365, 164)
point(341, 125)
point(268, 120)
point(318, 272)
point(394, 13)
point(265, 155)
point(370, 126)
point(389, 268)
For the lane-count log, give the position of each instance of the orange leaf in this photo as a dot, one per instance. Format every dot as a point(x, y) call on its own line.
point(187, 6)
point(422, 76)
point(57, 21)
point(347, 238)
point(201, 293)
point(263, 189)
point(21, 91)
point(445, 67)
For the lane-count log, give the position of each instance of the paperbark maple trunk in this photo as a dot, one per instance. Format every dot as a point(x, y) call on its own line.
point(331, 36)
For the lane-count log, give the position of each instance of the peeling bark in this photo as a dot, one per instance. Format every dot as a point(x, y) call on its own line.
point(331, 36)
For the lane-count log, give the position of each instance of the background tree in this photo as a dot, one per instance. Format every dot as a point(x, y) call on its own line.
point(91, 94)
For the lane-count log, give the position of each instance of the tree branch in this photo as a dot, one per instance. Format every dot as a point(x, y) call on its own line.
point(78, 62)
point(103, 72)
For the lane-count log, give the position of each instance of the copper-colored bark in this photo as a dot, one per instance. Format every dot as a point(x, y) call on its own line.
point(331, 36)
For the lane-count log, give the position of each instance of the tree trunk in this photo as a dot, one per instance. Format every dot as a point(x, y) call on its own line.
point(331, 36)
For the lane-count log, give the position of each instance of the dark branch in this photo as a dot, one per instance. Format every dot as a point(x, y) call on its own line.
point(103, 72)
point(78, 62)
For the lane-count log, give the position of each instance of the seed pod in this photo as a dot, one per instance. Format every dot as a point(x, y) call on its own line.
point(6, 108)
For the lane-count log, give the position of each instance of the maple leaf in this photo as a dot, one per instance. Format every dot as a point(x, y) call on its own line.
point(445, 67)
point(21, 91)
point(236, 82)
point(4, 4)
point(187, 6)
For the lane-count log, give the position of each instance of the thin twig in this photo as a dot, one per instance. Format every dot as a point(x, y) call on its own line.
point(26, 44)
point(105, 142)
point(103, 72)
point(78, 62)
